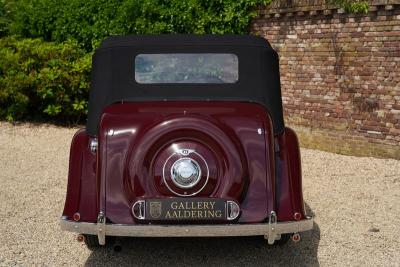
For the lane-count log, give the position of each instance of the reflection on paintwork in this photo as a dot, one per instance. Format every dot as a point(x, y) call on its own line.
point(124, 131)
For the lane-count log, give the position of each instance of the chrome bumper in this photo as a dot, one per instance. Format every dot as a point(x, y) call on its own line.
point(271, 231)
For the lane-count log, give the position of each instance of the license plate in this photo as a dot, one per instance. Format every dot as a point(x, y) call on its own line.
point(176, 209)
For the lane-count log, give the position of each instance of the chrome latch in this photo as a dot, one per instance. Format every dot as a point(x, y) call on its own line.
point(272, 235)
point(101, 228)
point(139, 209)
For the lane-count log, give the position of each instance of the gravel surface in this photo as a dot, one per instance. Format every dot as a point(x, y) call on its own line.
point(356, 203)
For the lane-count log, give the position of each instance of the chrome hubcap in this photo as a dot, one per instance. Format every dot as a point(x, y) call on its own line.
point(185, 172)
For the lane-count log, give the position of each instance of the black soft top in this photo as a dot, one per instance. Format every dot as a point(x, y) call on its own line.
point(113, 73)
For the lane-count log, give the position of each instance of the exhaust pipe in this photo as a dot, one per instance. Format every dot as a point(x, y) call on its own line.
point(117, 247)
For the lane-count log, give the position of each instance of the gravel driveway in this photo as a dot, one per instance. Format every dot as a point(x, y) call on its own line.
point(356, 203)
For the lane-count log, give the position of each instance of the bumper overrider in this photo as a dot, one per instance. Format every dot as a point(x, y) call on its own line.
point(271, 231)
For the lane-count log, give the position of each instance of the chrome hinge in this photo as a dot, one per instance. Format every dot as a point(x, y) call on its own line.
point(93, 145)
point(101, 228)
point(272, 235)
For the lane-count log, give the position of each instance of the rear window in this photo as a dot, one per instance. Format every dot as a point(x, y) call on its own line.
point(186, 68)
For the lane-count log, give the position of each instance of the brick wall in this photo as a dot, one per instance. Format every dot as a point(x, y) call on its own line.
point(340, 74)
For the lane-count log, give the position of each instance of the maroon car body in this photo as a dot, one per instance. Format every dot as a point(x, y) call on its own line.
point(185, 167)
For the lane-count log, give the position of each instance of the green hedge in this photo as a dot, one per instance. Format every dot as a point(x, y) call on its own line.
point(89, 22)
point(42, 80)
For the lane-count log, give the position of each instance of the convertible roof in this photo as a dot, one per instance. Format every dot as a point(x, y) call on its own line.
point(184, 39)
point(113, 73)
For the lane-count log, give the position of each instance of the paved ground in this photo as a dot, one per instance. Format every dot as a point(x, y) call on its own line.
point(356, 202)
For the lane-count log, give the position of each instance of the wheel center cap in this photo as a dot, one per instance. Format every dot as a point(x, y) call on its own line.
point(185, 172)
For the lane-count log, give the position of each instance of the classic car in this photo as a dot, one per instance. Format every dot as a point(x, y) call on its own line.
point(185, 137)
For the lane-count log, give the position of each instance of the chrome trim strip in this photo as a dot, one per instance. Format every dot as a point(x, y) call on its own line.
point(148, 230)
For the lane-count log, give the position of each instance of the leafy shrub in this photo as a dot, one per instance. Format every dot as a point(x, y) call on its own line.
point(4, 18)
point(89, 22)
point(352, 6)
point(43, 80)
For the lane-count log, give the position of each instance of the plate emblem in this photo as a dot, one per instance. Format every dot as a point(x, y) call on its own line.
point(193, 209)
point(155, 209)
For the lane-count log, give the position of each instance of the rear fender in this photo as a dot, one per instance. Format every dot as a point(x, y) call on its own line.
point(289, 196)
point(82, 186)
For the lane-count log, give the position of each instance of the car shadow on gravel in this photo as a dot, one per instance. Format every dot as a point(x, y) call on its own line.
point(236, 251)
